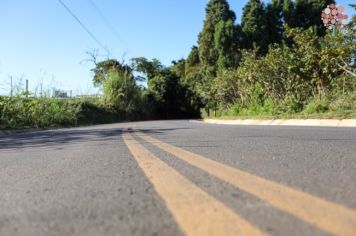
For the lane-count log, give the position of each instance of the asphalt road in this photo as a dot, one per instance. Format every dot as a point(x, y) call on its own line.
point(179, 178)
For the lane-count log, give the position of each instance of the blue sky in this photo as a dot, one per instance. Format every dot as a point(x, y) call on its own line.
point(41, 42)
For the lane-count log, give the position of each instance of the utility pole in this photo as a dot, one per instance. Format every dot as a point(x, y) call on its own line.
point(41, 91)
point(125, 76)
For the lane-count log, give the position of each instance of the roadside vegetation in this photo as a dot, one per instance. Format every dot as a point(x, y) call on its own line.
point(22, 112)
point(285, 63)
point(281, 61)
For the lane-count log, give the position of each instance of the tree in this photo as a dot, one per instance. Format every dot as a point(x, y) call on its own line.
point(118, 85)
point(288, 13)
point(103, 69)
point(192, 68)
point(193, 57)
point(253, 24)
point(217, 37)
point(307, 14)
point(217, 42)
point(119, 88)
point(224, 42)
point(178, 68)
point(274, 21)
point(149, 68)
point(165, 92)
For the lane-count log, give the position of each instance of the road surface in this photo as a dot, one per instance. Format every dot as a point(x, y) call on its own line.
point(179, 178)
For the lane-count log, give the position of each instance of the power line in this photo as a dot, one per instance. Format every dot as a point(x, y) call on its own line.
point(108, 24)
point(83, 26)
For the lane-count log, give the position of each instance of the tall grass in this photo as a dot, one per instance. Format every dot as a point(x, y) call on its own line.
point(22, 112)
point(333, 106)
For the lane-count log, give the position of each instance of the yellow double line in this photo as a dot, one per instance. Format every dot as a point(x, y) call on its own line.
point(198, 213)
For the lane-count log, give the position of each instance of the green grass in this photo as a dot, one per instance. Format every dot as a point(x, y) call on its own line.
point(22, 113)
point(336, 107)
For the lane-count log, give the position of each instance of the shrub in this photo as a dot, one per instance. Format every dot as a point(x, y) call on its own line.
point(19, 112)
point(317, 106)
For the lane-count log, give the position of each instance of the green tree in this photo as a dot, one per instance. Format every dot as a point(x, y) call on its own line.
point(288, 12)
point(118, 85)
point(178, 68)
point(165, 91)
point(193, 57)
point(104, 68)
point(274, 21)
point(192, 79)
point(217, 44)
point(253, 24)
point(149, 68)
point(217, 37)
point(192, 76)
point(307, 14)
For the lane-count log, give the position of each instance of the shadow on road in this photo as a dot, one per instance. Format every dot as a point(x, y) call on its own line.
point(70, 136)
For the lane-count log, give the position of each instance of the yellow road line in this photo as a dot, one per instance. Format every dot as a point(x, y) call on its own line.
point(196, 212)
point(330, 217)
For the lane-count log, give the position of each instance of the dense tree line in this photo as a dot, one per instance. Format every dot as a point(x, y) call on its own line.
point(280, 59)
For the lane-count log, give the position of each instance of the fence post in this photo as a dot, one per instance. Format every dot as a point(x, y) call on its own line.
point(27, 88)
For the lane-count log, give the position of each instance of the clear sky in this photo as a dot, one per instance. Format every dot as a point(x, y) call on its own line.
point(41, 42)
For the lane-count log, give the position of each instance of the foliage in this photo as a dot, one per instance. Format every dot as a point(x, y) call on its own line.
point(103, 69)
point(259, 67)
point(166, 92)
point(119, 90)
point(22, 112)
point(217, 37)
point(149, 68)
point(306, 14)
point(253, 24)
point(274, 21)
point(279, 61)
point(290, 79)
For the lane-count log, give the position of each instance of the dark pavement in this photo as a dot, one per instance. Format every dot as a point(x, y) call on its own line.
point(85, 181)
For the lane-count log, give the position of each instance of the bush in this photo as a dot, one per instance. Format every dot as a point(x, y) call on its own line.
point(90, 113)
point(344, 104)
point(317, 106)
point(20, 112)
point(303, 76)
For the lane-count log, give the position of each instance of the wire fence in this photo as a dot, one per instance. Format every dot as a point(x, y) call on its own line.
point(20, 87)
